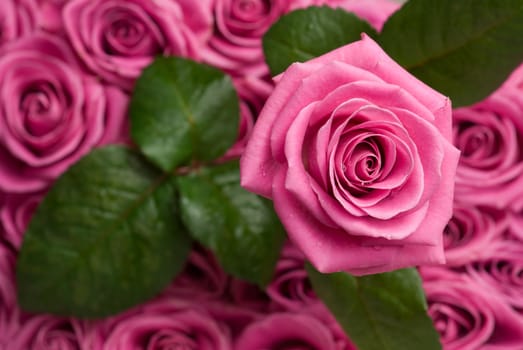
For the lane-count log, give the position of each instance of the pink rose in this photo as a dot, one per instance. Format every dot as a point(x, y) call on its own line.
point(291, 288)
point(468, 316)
point(355, 154)
point(17, 18)
point(116, 39)
point(240, 25)
point(9, 312)
point(43, 332)
point(160, 325)
point(16, 214)
point(490, 137)
point(502, 270)
point(287, 331)
point(202, 277)
point(51, 113)
point(470, 233)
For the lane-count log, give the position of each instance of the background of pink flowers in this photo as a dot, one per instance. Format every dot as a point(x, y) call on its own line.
point(66, 70)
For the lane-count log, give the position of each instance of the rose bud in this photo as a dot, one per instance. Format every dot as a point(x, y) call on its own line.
point(355, 153)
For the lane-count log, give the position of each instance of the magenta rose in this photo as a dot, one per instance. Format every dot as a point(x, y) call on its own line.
point(502, 270)
point(490, 137)
point(202, 277)
point(161, 324)
point(43, 332)
point(51, 113)
point(240, 25)
point(471, 232)
point(355, 153)
point(469, 316)
point(17, 18)
point(15, 215)
point(288, 331)
point(290, 288)
point(116, 39)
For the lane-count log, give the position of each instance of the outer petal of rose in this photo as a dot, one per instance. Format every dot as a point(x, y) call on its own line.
point(115, 129)
point(366, 54)
point(331, 250)
point(284, 327)
point(376, 12)
point(257, 166)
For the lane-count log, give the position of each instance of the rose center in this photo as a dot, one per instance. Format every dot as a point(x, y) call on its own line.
point(249, 10)
point(127, 35)
point(40, 110)
point(451, 321)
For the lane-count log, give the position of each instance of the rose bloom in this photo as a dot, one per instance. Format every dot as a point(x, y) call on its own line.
point(290, 288)
point(51, 113)
point(161, 324)
point(469, 316)
point(355, 153)
point(490, 137)
point(502, 270)
point(43, 332)
point(376, 12)
point(117, 39)
point(290, 331)
point(17, 18)
point(471, 232)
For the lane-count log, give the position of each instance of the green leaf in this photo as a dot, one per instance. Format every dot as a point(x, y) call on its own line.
point(465, 48)
point(379, 312)
point(240, 227)
point(308, 33)
point(106, 237)
point(183, 111)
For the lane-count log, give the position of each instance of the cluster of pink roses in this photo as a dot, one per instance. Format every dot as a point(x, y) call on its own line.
point(66, 70)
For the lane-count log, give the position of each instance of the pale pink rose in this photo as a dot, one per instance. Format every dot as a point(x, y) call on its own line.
point(17, 18)
point(490, 137)
point(254, 91)
point(502, 270)
point(9, 312)
point(287, 331)
point(202, 277)
point(471, 232)
point(355, 153)
point(116, 39)
point(290, 288)
point(160, 325)
point(16, 213)
point(45, 332)
point(51, 113)
point(469, 316)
